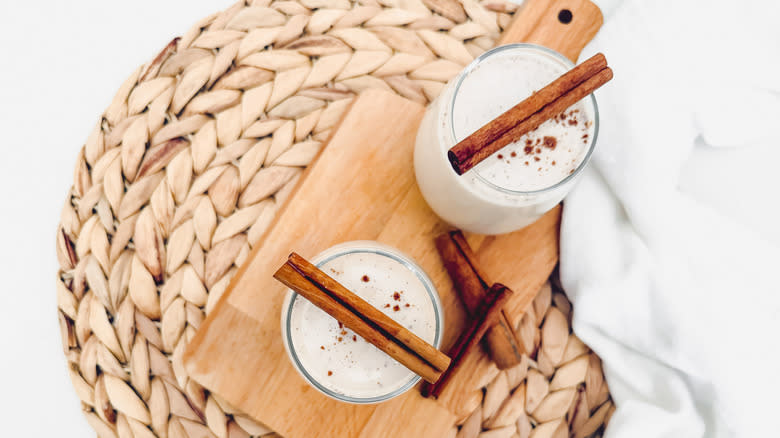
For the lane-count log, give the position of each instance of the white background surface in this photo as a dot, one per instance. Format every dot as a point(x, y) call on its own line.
point(61, 64)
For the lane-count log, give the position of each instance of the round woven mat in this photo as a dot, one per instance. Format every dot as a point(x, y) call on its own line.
point(184, 171)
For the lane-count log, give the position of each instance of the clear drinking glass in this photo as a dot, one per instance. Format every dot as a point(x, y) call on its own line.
point(340, 364)
point(474, 201)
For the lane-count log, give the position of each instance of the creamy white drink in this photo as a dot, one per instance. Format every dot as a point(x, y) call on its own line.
point(332, 357)
point(519, 183)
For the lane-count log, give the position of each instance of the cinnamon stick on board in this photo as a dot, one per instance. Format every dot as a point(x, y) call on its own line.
point(488, 311)
point(527, 115)
point(361, 317)
point(472, 283)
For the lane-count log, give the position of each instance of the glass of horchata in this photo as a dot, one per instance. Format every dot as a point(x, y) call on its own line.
point(519, 183)
point(335, 360)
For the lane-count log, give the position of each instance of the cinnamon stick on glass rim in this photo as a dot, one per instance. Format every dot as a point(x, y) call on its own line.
point(527, 115)
point(487, 315)
point(361, 317)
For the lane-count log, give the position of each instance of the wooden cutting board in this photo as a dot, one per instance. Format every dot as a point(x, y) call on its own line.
point(362, 186)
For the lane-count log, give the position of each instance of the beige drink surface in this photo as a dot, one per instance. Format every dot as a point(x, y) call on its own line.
point(343, 362)
point(540, 158)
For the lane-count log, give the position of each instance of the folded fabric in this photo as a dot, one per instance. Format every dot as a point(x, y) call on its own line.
point(669, 242)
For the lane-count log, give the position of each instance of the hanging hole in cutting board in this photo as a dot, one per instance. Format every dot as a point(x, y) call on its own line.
point(565, 16)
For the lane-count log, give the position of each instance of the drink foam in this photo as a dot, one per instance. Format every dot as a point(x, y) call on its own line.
point(541, 158)
point(337, 358)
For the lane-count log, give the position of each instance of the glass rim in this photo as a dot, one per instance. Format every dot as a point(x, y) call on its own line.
point(513, 46)
point(370, 247)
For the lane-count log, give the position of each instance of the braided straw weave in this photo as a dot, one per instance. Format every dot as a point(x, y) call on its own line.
point(186, 168)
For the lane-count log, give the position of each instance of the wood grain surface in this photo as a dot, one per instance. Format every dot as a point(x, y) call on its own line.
point(543, 22)
point(238, 352)
point(363, 187)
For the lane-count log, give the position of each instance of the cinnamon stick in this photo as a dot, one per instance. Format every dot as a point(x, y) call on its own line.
point(471, 283)
point(488, 311)
point(362, 318)
point(527, 115)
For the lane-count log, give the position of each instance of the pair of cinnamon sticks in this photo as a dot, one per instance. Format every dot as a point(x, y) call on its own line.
point(527, 115)
point(472, 283)
point(483, 303)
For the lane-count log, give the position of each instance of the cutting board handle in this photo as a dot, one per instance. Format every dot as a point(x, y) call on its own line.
point(562, 25)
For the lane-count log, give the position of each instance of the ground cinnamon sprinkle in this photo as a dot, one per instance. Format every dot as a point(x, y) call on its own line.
point(396, 308)
point(365, 279)
point(500, 157)
point(550, 142)
point(396, 296)
point(528, 150)
point(330, 373)
point(513, 154)
point(537, 159)
point(354, 338)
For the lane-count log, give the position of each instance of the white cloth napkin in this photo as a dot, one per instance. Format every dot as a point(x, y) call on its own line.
point(670, 242)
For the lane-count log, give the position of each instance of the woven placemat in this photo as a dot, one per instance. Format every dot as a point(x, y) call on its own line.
point(184, 171)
